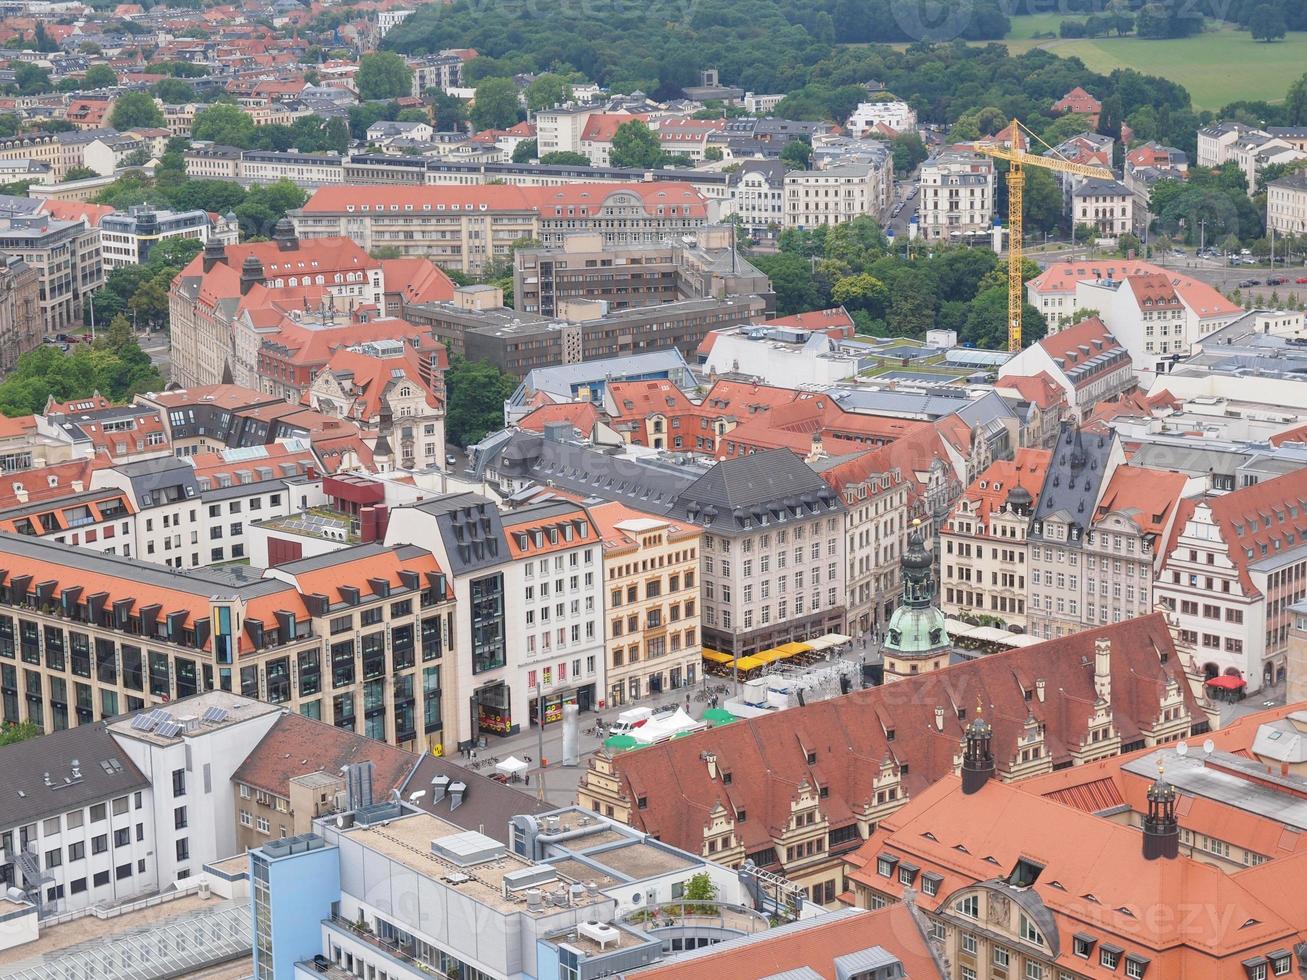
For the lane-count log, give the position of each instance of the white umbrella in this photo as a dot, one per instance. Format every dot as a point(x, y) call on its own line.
point(512, 766)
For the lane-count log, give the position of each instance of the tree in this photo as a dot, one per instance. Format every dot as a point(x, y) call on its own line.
point(861, 292)
point(635, 145)
point(713, 153)
point(525, 151)
point(547, 91)
point(909, 151)
point(1267, 24)
point(495, 104)
point(174, 91)
point(264, 206)
point(566, 158)
point(135, 110)
point(99, 76)
point(79, 173)
point(700, 888)
point(450, 113)
point(149, 304)
point(986, 323)
point(797, 289)
point(222, 123)
point(1295, 103)
point(796, 155)
point(14, 732)
point(119, 334)
point(1041, 200)
point(384, 75)
point(30, 79)
point(475, 392)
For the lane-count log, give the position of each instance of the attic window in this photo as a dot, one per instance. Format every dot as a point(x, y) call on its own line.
point(824, 792)
point(740, 816)
point(641, 802)
point(889, 734)
point(726, 778)
point(1024, 874)
point(812, 757)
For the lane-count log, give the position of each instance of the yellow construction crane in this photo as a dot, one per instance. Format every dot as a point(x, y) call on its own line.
point(1015, 153)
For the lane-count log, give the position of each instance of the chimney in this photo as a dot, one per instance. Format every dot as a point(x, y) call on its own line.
point(439, 786)
point(457, 792)
point(939, 718)
point(711, 759)
point(251, 274)
point(978, 756)
point(1161, 829)
point(1103, 669)
point(1040, 685)
point(214, 254)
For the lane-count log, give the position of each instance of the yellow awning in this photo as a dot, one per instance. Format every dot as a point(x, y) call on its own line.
point(793, 649)
point(716, 656)
point(770, 656)
point(749, 663)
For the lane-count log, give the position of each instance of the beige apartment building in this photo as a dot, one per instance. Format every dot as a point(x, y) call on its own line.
point(356, 637)
point(651, 568)
point(838, 194)
point(983, 550)
point(1286, 204)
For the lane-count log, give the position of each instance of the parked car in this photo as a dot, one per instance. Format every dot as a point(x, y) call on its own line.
point(1301, 279)
point(1276, 281)
point(1245, 283)
point(451, 459)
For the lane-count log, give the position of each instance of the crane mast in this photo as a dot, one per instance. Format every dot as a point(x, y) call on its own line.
point(1018, 159)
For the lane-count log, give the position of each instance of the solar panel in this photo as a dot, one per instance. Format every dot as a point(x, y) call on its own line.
point(169, 729)
point(214, 715)
point(143, 723)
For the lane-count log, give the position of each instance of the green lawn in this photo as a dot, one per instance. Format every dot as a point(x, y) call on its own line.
point(1217, 67)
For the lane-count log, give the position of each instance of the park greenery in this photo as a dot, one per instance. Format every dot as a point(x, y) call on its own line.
point(114, 365)
point(476, 392)
point(890, 293)
point(257, 209)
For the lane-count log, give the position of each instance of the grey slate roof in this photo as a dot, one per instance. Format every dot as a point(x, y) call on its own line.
point(487, 805)
point(470, 527)
point(105, 772)
point(1074, 477)
point(743, 492)
point(649, 483)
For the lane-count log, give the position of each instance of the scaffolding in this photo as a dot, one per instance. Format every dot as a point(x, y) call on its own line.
point(175, 947)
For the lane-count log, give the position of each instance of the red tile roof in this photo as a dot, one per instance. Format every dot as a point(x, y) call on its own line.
point(299, 746)
point(582, 415)
point(849, 735)
point(585, 199)
point(898, 929)
point(989, 492)
point(1270, 515)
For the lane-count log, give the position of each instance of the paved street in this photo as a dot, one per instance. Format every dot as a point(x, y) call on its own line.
point(560, 780)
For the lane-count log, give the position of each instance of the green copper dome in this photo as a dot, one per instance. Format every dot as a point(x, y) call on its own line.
point(917, 626)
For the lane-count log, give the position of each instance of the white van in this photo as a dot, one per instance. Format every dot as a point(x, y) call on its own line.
point(630, 720)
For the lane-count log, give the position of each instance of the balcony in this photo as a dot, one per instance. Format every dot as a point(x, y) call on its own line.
point(690, 921)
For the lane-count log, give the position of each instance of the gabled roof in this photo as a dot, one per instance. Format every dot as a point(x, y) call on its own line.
point(989, 492)
point(1266, 519)
point(851, 735)
point(104, 771)
point(299, 746)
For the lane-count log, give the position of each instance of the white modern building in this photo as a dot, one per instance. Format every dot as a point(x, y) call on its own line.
point(895, 115)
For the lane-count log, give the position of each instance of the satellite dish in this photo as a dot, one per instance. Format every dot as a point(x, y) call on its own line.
point(1209, 747)
point(414, 797)
point(1182, 749)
